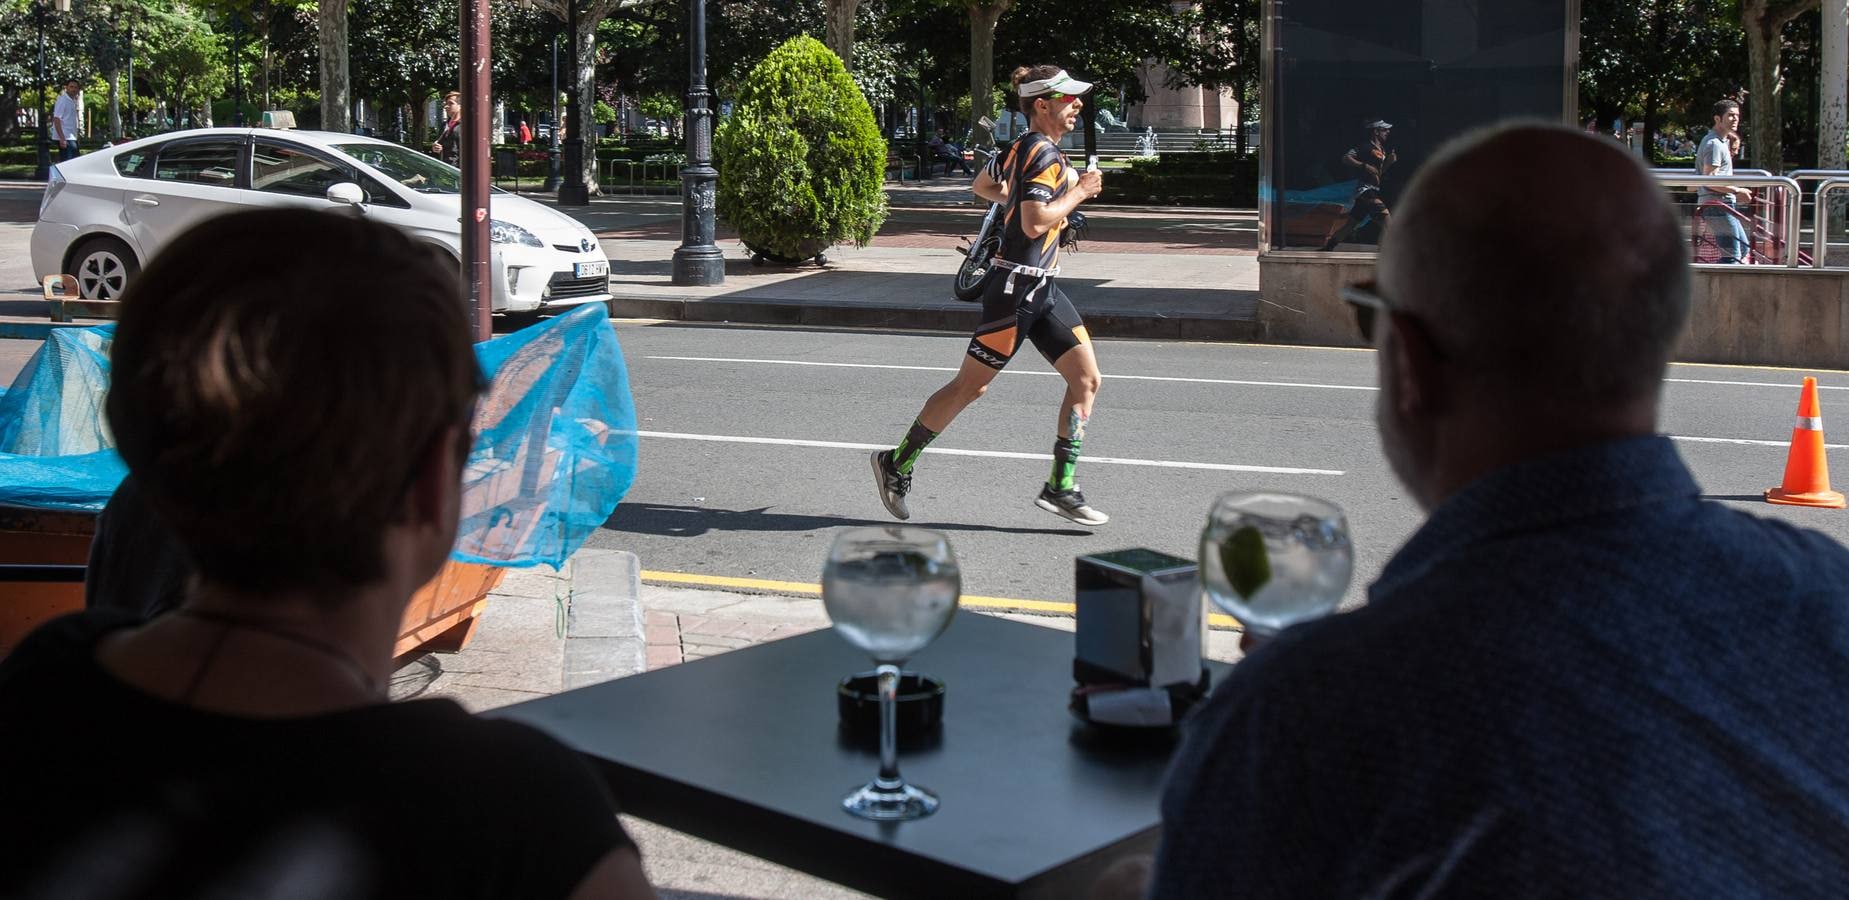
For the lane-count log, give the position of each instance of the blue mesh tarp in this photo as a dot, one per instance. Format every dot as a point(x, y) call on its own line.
point(555, 446)
point(55, 448)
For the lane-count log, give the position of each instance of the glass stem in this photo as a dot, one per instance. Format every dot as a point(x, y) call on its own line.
point(889, 728)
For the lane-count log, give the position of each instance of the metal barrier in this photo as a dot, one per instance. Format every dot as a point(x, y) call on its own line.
point(1820, 220)
point(636, 174)
point(1783, 220)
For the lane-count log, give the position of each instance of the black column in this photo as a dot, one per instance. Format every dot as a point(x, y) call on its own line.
point(697, 260)
point(237, 72)
point(42, 171)
point(552, 134)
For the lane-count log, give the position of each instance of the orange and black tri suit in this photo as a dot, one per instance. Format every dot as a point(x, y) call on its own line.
point(1020, 301)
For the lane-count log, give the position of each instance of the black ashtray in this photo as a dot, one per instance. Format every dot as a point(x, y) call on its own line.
point(919, 709)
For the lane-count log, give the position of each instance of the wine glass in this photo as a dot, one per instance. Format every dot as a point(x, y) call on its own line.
point(1272, 560)
point(890, 591)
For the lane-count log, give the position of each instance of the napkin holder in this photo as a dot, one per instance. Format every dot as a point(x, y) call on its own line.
point(1139, 632)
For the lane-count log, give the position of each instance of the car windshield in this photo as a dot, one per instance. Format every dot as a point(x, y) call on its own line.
point(417, 171)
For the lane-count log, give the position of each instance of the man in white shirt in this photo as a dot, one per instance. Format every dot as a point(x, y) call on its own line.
point(66, 116)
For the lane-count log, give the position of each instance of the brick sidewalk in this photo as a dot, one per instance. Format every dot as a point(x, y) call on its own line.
point(673, 638)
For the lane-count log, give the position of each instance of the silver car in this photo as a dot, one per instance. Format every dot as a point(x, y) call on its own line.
point(106, 213)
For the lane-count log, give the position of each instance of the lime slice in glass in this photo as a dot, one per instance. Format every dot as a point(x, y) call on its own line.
point(1242, 556)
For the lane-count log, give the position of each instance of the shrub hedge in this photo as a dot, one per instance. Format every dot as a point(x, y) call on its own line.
point(1210, 178)
point(801, 161)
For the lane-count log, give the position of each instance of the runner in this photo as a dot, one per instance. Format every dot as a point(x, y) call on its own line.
point(1370, 160)
point(1020, 301)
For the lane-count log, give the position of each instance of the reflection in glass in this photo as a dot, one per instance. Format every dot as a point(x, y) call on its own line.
point(1434, 69)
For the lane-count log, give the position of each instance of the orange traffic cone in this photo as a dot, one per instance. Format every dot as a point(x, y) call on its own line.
point(1807, 470)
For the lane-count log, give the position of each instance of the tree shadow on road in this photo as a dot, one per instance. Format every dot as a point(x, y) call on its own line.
point(692, 521)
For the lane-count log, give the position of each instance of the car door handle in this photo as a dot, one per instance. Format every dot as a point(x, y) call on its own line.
point(145, 201)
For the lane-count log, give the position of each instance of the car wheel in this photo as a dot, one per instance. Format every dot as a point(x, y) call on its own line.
point(103, 266)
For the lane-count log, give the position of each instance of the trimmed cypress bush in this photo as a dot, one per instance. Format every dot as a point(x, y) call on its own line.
point(801, 162)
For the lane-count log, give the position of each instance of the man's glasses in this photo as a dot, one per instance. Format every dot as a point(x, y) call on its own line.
point(1057, 96)
point(1369, 306)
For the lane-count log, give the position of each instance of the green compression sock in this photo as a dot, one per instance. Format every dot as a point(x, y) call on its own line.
point(1065, 460)
point(904, 455)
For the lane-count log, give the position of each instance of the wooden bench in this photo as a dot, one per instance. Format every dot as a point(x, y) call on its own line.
point(899, 163)
point(43, 555)
point(66, 301)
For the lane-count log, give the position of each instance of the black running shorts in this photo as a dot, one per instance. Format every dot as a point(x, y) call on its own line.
point(1037, 311)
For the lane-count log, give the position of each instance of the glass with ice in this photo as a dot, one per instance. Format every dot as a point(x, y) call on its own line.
point(890, 591)
point(1272, 560)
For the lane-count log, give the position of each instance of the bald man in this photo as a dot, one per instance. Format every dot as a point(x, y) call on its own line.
point(1577, 678)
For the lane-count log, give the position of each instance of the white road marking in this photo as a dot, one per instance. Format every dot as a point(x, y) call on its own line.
point(999, 454)
point(1163, 463)
point(1118, 377)
point(1765, 384)
point(1747, 442)
point(1113, 376)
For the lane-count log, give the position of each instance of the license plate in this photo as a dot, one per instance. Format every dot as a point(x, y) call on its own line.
point(590, 269)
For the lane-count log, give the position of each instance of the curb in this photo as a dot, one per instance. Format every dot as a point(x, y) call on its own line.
point(962, 317)
point(603, 618)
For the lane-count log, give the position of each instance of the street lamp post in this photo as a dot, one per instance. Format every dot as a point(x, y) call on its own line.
point(237, 73)
point(552, 153)
point(572, 191)
point(697, 260)
point(43, 171)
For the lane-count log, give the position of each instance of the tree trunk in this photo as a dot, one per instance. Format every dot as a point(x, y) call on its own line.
point(587, 98)
point(982, 19)
point(9, 99)
point(269, 63)
point(1764, 22)
point(336, 87)
point(1833, 89)
point(114, 78)
point(1659, 27)
point(1242, 72)
point(839, 35)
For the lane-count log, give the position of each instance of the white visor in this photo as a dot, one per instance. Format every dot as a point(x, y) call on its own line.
point(1059, 83)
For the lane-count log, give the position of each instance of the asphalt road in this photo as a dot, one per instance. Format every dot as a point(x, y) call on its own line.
point(752, 454)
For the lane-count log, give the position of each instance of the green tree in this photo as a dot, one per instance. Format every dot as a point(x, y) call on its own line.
point(1651, 59)
point(185, 63)
point(801, 163)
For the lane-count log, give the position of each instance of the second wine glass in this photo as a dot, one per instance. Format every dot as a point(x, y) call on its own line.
point(890, 591)
point(1272, 559)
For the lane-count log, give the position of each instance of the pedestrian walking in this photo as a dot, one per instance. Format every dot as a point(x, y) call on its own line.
point(67, 120)
point(448, 145)
point(1020, 302)
point(1718, 205)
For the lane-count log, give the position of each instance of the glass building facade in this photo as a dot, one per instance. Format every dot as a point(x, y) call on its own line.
point(1359, 93)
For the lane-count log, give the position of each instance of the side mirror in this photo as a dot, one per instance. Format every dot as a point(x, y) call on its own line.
point(346, 192)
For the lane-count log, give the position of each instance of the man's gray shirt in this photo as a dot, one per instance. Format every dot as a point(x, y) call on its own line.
point(1713, 158)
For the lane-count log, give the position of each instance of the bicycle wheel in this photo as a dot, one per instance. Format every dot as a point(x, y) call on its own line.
point(975, 270)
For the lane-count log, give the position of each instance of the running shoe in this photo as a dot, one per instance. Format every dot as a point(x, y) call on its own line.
point(1070, 504)
point(893, 484)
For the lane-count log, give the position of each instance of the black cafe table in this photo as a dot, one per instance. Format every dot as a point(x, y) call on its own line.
point(744, 750)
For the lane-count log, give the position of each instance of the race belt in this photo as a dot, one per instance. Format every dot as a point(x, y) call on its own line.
point(1014, 269)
